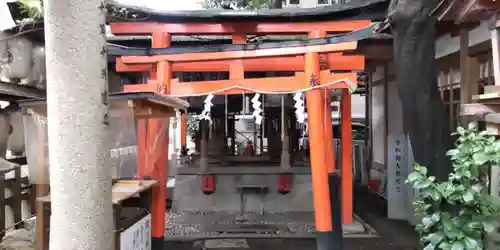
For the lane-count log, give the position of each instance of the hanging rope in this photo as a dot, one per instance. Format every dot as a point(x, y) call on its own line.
point(256, 104)
point(350, 85)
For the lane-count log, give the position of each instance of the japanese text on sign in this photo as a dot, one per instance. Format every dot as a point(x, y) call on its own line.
point(397, 172)
point(398, 158)
point(138, 236)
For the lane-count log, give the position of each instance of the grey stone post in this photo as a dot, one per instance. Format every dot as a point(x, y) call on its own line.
point(77, 88)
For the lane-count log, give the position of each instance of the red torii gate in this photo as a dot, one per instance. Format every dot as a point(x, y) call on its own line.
point(299, 58)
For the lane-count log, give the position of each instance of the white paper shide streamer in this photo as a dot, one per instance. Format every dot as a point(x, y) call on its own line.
point(205, 114)
point(256, 109)
point(299, 107)
point(298, 97)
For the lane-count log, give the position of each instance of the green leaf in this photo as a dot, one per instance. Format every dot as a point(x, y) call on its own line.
point(470, 243)
point(457, 246)
point(435, 217)
point(472, 126)
point(435, 238)
point(435, 195)
point(422, 184)
point(450, 230)
point(468, 174)
point(32, 9)
point(460, 131)
point(446, 189)
point(429, 247)
point(423, 170)
point(452, 152)
point(480, 158)
point(474, 225)
point(447, 222)
point(468, 196)
point(414, 176)
point(477, 188)
point(488, 227)
point(427, 221)
point(445, 245)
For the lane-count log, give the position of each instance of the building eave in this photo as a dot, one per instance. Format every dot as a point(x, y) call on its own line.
point(468, 11)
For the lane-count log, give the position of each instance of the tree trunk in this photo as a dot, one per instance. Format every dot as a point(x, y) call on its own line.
point(80, 176)
point(424, 114)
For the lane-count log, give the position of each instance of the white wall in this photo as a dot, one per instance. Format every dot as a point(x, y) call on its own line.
point(165, 5)
point(378, 118)
point(310, 3)
point(302, 4)
point(358, 106)
point(394, 110)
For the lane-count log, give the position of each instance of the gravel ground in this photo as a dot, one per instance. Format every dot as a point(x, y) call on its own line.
point(290, 244)
point(393, 235)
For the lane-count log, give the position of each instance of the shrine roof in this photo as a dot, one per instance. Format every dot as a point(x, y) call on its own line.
point(354, 9)
point(465, 11)
point(152, 97)
point(358, 35)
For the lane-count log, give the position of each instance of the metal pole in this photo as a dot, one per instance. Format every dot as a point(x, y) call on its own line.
point(285, 139)
point(261, 147)
point(204, 131)
point(225, 117)
point(495, 49)
point(282, 117)
point(225, 128)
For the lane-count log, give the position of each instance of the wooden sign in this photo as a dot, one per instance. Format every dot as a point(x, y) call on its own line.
point(138, 236)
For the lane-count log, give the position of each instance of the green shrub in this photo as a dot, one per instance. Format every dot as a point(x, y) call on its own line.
point(458, 214)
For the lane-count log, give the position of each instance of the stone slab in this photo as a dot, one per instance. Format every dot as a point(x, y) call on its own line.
point(216, 225)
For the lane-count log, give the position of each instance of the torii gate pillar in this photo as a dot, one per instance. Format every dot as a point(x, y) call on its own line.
point(319, 169)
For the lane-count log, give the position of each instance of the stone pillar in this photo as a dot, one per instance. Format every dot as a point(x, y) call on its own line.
point(77, 89)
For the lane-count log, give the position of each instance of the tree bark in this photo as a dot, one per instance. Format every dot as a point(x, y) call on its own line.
point(424, 114)
point(80, 176)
